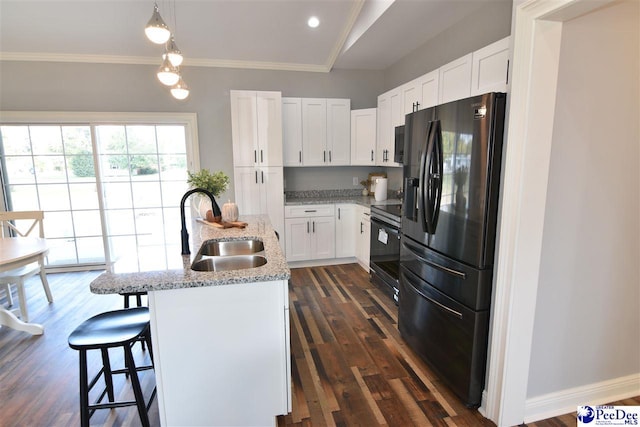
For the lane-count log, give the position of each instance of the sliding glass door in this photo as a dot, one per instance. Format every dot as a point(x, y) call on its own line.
point(110, 192)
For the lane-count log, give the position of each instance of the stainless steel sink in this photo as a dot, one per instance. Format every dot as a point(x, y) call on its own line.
point(235, 247)
point(225, 263)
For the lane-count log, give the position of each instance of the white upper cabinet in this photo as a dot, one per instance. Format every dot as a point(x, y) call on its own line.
point(490, 68)
point(391, 114)
point(363, 137)
point(314, 131)
point(421, 93)
point(338, 132)
point(323, 125)
point(256, 125)
point(292, 131)
point(455, 80)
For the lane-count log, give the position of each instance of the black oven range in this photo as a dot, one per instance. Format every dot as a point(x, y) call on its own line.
point(385, 248)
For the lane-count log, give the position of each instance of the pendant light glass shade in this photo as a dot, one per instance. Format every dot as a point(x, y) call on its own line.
point(173, 53)
point(168, 74)
point(156, 29)
point(180, 90)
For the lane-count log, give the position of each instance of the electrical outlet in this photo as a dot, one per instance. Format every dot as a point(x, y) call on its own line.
point(356, 181)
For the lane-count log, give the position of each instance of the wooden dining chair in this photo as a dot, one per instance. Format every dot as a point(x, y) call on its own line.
point(23, 224)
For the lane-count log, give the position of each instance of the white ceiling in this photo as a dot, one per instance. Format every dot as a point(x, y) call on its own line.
point(269, 34)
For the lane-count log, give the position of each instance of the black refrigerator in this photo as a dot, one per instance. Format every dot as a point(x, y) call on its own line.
point(451, 171)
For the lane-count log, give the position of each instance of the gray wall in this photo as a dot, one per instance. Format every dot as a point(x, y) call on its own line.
point(587, 321)
point(491, 23)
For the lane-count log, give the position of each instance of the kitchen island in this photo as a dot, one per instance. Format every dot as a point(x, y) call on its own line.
point(220, 338)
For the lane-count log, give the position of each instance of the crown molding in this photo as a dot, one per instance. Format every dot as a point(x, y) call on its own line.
point(144, 60)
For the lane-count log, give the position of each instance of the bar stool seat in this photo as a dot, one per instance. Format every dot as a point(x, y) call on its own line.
point(119, 328)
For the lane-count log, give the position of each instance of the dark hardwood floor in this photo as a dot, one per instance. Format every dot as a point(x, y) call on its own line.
point(349, 365)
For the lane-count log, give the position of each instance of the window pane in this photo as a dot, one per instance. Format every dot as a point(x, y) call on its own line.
point(90, 249)
point(120, 222)
point(83, 196)
point(50, 169)
point(54, 197)
point(46, 139)
point(87, 223)
point(174, 167)
point(146, 194)
point(20, 170)
point(111, 139)
point(115, 167)
point(117, 195)
point(172, 192)
point(58, 224)
point(149, 226)
point(62, 252)
point(15, 140)
point(141, 139)
point(24, 198)
point(171, 139)
point(77, 139)
point(81, 168)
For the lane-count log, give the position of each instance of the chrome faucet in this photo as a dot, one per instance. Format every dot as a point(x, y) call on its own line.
point(216, 214)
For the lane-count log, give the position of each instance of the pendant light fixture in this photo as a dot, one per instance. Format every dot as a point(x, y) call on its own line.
point(173, 53)
point(180, 90)
point(156, 29)
point(167, 73)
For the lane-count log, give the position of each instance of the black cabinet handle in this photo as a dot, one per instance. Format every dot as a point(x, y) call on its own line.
point(255, 156)
point(372, 155)
point(324, 156)
point(300, 156)
point(314, 226)
point(310, 210)
point(361, 231)
point(262, 173)
point(307, 227)
point(338, 213)
point(256, 177)
point(329, 156)
point(261, 159)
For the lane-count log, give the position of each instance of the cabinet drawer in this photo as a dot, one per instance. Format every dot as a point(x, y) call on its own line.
point(301, 211)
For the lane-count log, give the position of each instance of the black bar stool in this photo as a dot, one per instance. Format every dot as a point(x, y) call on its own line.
point(120, 328)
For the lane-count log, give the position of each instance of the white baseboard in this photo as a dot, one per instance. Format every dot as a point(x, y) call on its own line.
point(321, 262)
point(567, 401)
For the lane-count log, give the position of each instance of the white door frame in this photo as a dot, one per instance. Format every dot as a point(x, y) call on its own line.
point(536, 55)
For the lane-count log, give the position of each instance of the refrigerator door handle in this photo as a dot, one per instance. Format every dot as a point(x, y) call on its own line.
point(425, 160)
point(434, 171)
point(437, 266)
point(441, 306)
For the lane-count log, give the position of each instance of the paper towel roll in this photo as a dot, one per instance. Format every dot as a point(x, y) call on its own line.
point(381, 189)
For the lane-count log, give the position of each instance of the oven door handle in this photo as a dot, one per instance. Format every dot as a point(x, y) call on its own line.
point(387, 227)
point(437, 266)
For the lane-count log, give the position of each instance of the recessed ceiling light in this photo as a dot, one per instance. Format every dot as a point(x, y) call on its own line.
point(313, 22)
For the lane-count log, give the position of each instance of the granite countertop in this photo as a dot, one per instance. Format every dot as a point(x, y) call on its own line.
point(259, 228)
point(319, 198)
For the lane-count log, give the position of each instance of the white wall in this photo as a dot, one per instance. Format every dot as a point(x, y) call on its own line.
point(587, 322)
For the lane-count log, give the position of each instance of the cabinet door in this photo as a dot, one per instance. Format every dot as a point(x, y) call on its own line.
point(314, 131)
point(292, 131)
point(411, 97)
point(345, 231)
point(323, 230)
point(455, 80)
point(338, 132)
point(363, 136)
point(363, 232)
point(244, 130)
point(366, 251)
point(427, 85)
point(247, 190)
point(272, 198)
point(269, 125)
point(490, 68)
point(384, 127)
point(298, 239)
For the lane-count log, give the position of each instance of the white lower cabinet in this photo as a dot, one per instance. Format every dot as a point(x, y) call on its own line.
point(363, 238)
point(310, 232)
point(346, 230)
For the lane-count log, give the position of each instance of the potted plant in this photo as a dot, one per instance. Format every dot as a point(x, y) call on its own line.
point(217, 183)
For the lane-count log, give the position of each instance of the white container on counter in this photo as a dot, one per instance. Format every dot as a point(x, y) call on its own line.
point(381, 189)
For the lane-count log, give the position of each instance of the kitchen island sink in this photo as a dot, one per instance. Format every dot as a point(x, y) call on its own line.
point(219, 327)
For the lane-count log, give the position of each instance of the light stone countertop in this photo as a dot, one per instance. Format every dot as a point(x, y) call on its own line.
point(366, 201)
point(259, 228)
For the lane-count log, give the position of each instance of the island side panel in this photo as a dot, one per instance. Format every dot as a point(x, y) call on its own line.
point(221, 354)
